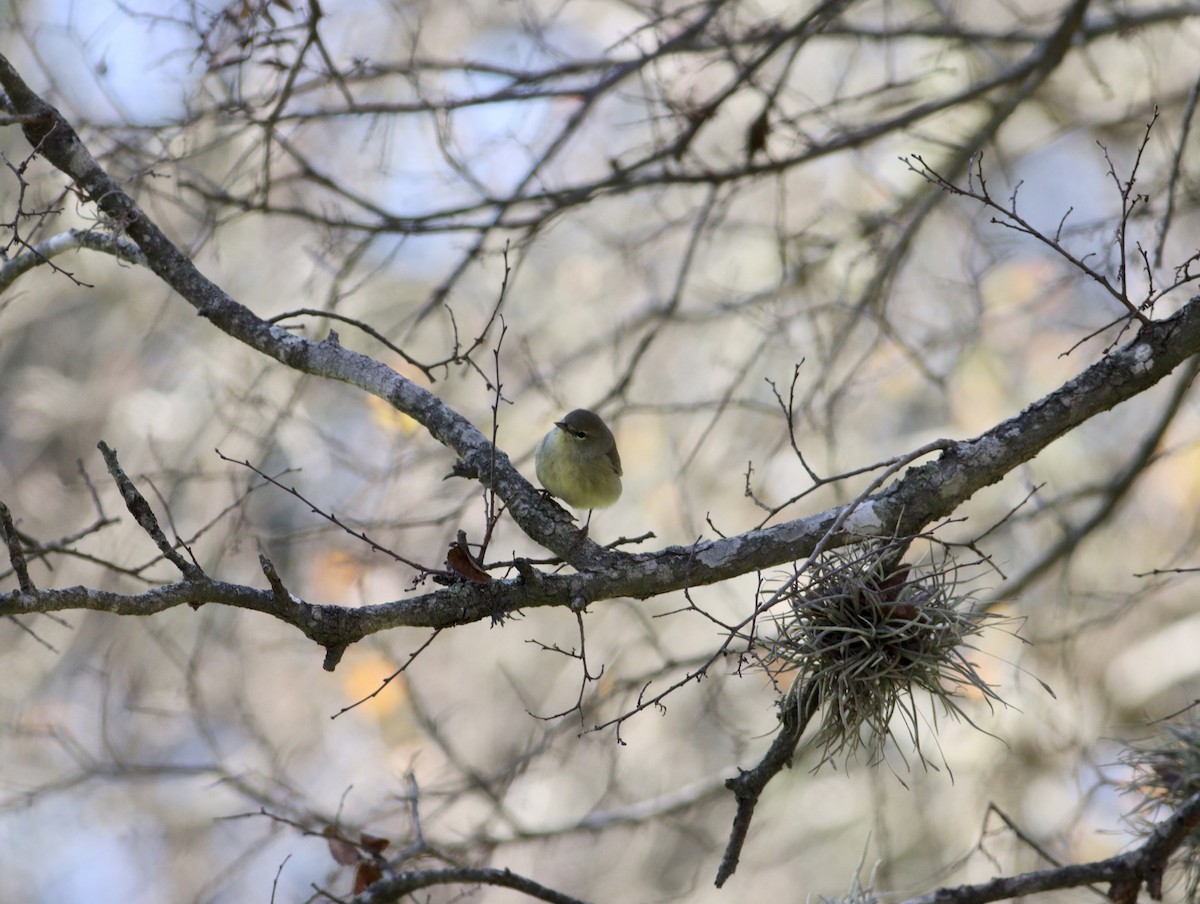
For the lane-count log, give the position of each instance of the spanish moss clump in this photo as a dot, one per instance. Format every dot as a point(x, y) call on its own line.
point(861, 640)
point(1165, 776)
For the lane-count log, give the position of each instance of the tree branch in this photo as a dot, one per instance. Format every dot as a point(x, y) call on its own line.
point(924, 495)
point(55, 139)
point(1126, 872)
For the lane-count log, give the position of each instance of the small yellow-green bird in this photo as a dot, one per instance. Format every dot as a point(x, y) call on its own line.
point(577, 461)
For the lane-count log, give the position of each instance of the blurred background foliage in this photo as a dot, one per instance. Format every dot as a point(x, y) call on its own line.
point(592, 168)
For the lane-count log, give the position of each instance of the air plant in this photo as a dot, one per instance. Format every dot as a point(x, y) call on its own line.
point(861, 637)
point(1166, 774)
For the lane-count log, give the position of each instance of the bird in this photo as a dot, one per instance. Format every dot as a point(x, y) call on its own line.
point(578, 462)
